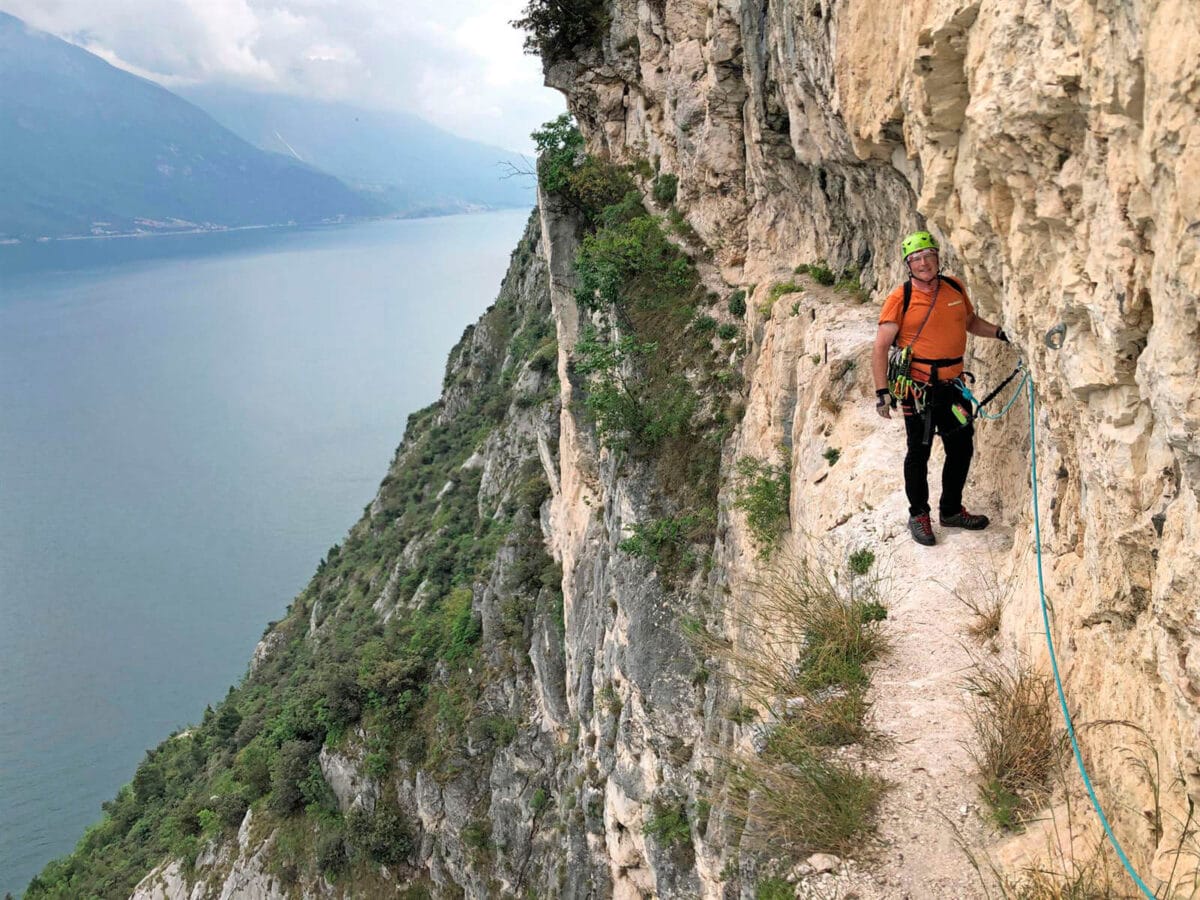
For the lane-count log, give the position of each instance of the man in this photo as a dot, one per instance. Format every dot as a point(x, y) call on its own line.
point(932, 315)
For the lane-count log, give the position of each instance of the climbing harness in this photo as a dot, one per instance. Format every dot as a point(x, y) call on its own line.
point(1045, 618)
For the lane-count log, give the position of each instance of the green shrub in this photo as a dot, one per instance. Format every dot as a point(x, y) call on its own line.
point(292, 766)
point(540, 801)
point(382, 834)
point(554, 28)
point(665, 542)
point(737, 303)
point(774, 889)
point(728, 331)
point(832, 455)
point(861, 561)
point(332, 857)
point(819, 273)
point(762, 492)
point(704, 325)
point(477, 835)
point(665, 189)
point(669, 823)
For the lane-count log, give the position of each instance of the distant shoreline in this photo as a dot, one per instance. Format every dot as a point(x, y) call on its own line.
point(227, 229)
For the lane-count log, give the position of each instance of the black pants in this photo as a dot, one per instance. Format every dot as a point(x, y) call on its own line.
point(957, 439)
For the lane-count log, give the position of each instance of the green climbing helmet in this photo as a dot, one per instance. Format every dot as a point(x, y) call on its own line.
point(918, 240)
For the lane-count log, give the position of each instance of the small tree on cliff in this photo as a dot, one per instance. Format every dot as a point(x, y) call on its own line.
point(553, 28)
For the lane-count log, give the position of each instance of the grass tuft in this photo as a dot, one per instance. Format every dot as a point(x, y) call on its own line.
point(1016, 742)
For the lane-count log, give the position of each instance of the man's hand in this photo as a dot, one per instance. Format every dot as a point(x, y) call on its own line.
point(883, 402)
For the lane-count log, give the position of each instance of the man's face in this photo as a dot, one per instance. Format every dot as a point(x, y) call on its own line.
point(923, 264)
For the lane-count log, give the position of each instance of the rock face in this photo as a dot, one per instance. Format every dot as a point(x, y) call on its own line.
point(1055, 151)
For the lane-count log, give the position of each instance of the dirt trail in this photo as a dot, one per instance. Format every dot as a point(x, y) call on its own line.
point(920, 708)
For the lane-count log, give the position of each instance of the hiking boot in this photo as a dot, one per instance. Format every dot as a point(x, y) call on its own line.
point(922, 530)
point(963, 519)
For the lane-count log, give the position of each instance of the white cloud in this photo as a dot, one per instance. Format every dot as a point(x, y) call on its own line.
point(458, 64)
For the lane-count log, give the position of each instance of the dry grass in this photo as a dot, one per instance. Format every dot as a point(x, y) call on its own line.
point(1016, 739)
point(1078, 867)
point(806, 639)
point(986, 600)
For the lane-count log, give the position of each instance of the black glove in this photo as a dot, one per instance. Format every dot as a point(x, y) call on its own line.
point(1001, 336)
point(883, 396)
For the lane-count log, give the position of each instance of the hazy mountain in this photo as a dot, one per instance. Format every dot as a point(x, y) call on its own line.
point(413, 165)
point(88, 148)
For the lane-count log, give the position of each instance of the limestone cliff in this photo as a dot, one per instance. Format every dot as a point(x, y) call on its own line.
point(1055, 150)
point(564, 736)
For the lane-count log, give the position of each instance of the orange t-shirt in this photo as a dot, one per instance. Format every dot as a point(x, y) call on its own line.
point(944, 335)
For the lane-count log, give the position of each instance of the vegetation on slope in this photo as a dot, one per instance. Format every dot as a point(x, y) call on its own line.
point(655, 377)
point(413, 684)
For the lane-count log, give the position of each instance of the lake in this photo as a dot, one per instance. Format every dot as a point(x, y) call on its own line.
point(187, 424)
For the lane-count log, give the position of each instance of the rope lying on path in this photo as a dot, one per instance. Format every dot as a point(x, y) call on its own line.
point(1062, 697)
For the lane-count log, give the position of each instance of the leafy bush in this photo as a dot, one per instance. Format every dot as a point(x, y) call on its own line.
point(832, 455)
point(554, 28)
point(583, 182)
point(665, 189)
point(383, 834)
point(777, 291)
point(737, 303)
point(774, 889)
point(762, 492)
point(669, 823)
point(727, 332)
point(666, 542)
point(332, 857)
point(291, 769)
point(819, 273)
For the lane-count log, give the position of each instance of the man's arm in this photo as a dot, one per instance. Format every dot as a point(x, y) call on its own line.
point(879, 356)
point(981, 327)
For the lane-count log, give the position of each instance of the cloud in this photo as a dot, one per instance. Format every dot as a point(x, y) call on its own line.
point(458, 64)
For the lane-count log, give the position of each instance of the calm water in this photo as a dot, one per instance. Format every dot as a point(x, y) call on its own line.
point(186, 425)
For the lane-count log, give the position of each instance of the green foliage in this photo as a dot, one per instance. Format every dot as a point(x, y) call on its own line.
point(704, 325)
point(774, 889)
point(583, 182)
point(332, 857)
point(737, 303)
point(382, 834)
point(818, 272)
point(291, 772)
point(665, 189)
point(477, 835)
point(556, 28)
point(668, 823)
point(762, 492)
point(832, 455)
point(630, 410)
point(861, 561)
point(728, 331)
point(540, 801)
point(667, 542)
point(632, 263)
point(777, 291)
point(849, 283)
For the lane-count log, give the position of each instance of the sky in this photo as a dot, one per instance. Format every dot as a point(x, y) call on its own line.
point(455, 63)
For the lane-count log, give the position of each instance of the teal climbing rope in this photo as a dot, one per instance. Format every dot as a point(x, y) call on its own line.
point(1062, 697)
